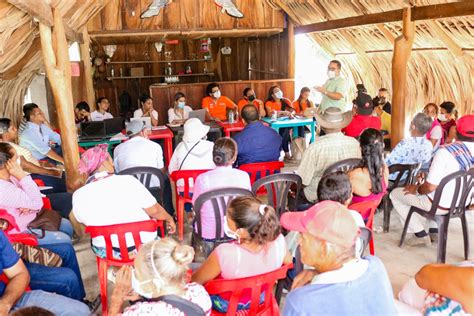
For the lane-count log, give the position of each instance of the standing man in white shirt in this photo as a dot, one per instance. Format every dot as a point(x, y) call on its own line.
point(101, 113)
point(139, 151)
point(334, 91)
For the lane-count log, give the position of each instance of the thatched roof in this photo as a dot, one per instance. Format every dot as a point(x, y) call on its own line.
point(20, 49)
point(435, 73)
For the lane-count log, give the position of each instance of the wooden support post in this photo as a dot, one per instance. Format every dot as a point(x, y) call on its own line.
point(86, 59)
point(401, 55)
point(58, 69)
point(291, 49)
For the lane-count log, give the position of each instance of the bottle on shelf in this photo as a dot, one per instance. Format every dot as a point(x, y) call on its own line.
point(168, 70)
point(112, 71)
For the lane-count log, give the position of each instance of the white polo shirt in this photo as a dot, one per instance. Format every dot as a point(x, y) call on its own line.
point(139, 152)
point(139, 113)
point(97, 116)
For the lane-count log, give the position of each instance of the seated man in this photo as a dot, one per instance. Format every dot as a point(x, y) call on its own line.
point(139, 151)
point(217, 104)
point(414, 149)
point(13, 295)
point(251, 98)
point(326, 150)
point(82, 112)
point(382, 99)
point(363, 119)
point(447, 160)
point(256, 142)
point(50, 176)
point(39, 137)
point(340, 283)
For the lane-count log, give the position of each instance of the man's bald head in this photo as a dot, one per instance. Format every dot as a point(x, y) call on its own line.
point(250, 113)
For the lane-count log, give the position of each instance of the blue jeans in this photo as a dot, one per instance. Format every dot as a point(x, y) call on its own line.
point(65, 280)
point(58, 184)
point(57, 304)
point(57, 237)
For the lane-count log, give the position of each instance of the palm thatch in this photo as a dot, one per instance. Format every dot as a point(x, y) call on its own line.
point(436, 74)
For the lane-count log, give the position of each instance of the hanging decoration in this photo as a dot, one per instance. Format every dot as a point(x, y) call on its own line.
point(226, 50)
point(229, 7)
point(154, 8)
point(110, 50)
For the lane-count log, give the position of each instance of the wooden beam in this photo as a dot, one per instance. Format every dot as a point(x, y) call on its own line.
point(39, 9)
point(291, 49)
point(436, 11)
point(388, 35)
point(58, 69)
point(401, 55)
point(420, 49)
point(86, 59)
point(440, 33)
point(71, 34)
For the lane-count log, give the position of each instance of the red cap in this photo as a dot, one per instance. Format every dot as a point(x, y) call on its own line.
point(465, 126)
point(327, 220)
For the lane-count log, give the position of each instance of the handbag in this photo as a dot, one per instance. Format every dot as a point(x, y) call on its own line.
point(34, 254)
point(45, 220)
point(298, 147)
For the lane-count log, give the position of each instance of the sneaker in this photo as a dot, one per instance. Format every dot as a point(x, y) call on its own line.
point(414, 241)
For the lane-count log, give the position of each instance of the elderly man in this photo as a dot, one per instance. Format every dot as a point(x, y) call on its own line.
point(335, 89)
point(326, 150)
point(256, 142)
point(363, 119)
point(340, 283)
point(414, 149)
point(447, 160)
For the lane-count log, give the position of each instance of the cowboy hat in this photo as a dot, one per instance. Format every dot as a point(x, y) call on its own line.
point(333, 118)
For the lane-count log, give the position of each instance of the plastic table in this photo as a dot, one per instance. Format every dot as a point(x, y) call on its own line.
point(167, 135)
point(231, 127)
point(276, 125)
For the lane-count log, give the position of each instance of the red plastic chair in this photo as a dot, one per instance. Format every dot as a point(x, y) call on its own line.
point(260, 170)
point(256, 284)
point(183, 197)
point(46, 201)
point(24, 239)
point(367, 211)
point(125, 259)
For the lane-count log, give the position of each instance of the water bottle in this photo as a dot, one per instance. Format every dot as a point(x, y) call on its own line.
point(231, 117)
point(274, 116)
point(236, 115)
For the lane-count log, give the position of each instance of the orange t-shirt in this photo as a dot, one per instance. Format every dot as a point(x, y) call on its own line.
point(273, 105)
point(244, 102)
point(217, 109)
point(301, 107)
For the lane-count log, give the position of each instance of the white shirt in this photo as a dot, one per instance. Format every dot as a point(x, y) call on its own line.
point(443, 165)
point(139, 152)
point(172, 115)
point(113, 200)
point(97, 116)
point(436, 133)
point(139, 113)
point(350, 271)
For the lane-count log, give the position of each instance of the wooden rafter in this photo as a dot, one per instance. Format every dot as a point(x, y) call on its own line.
point(387, 34)
point(443, 36)
point(418, 13)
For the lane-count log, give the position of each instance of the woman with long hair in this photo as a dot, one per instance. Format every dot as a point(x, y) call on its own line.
point(179, 113)
point(435, 133)
point(370, 179)
point(146, 110)
point(258, 247)
point(303, 102)
point(447, 118)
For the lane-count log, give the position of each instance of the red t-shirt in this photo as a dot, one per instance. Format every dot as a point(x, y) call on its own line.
point(361, 122)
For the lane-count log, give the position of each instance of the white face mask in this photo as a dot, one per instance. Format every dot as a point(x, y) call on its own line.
point(279, 95)
point(331, 74)
point(229, 232)
point(442, 117)
point(217, 94)
point(137, 286)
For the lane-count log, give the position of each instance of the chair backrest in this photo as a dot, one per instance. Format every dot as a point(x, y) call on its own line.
point(120, 230)
point(220, 200)
point(277, 187)
point(343, 165)
point(365, 236)
point(145, 175)
point(405, 174)
point(185, 175)
point(367, 210)
point(262, 169)
point(463, 182)
point(257, 284)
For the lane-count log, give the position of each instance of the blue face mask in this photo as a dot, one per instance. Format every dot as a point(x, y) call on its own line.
point(181, 105)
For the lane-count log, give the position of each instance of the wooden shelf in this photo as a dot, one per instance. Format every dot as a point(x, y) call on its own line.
point(162, 76)
point(157, 61)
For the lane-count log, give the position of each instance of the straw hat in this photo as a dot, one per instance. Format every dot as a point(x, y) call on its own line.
point(194, 130)
point(334, 118)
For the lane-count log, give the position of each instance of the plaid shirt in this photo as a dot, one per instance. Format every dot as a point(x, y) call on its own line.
point(325, 151)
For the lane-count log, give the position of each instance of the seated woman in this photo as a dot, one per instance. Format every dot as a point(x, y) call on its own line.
point(303, 103)
point(146, 110)
point(447, 118)
point(179, 113)
point(370, 180)
point(258, 248)
point(224, 176)
point(217, 104)
point(109, 199)
point(251, 98)
point(101, 113)
point(276, 103)
point(158, 273)
point(435, 134)
point(22, 199)
point(339, 283)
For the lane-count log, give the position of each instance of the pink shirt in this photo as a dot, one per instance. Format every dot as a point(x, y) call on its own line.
point(16, 195)
point(219, 178)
